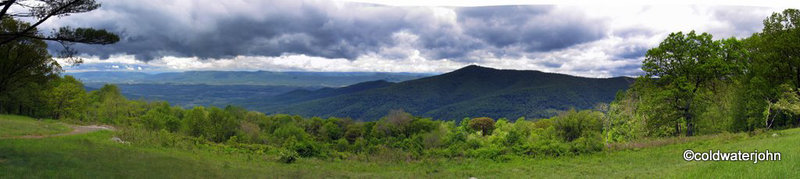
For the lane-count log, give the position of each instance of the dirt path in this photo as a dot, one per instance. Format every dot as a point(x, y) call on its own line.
point(75, 130)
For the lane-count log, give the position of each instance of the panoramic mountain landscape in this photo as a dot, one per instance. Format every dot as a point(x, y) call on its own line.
point(399, 89)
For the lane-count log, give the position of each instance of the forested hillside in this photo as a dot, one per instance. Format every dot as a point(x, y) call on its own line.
point(470, 91)
point(273, 102)
point(189, 95)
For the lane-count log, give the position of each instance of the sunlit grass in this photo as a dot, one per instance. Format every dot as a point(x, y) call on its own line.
point(11, 126)
point(94, 155)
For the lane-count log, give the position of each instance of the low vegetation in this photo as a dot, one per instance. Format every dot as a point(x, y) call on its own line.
point(94, 155)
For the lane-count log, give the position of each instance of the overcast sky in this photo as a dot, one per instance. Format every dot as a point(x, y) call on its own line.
point(297, 35)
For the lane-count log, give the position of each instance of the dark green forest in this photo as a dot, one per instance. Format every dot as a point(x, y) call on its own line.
point(466, 92)
point(693, 85)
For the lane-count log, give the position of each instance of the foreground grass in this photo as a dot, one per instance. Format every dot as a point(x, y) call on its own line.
point(11, 126)
point(94, 155)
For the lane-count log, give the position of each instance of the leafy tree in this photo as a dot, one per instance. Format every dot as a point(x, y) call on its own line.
point(195, 122)
point(68, 99)
point(24, 63)
point(774, 61)
point(161, 116)
point(483, 124)
point(787, 105)
point(394, 124)
point(289, 132)
point(682, 65)
point(109, 105)
point(779, 44)
point(222, 125)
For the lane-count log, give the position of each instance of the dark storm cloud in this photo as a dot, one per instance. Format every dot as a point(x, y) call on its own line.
point(632, 52)
point(532, 28)
point(634, 32)
point(309, 29)
point(633, 69)
point(211, 29)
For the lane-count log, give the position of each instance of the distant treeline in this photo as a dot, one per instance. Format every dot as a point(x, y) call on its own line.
point(397, 136)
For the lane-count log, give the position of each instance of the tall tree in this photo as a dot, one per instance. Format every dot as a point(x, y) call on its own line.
point(775, 65)
point(67, 98)
point(682, 64)
point(24, 59)
point(23, 65)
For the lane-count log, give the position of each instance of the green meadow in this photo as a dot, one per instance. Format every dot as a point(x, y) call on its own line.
point(95, 155)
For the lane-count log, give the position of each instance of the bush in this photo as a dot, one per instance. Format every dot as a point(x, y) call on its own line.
point(581, 131)
point(571, 125)
point(287, 156)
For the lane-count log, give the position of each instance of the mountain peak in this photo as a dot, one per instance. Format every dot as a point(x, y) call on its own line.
point(474, 68)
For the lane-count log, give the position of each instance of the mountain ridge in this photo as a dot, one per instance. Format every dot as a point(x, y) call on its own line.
point(469, 92)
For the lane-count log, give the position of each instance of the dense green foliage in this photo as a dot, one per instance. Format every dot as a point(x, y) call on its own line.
point(397, 136)
point(701, 86)
point(27, 69)
point(684, 64)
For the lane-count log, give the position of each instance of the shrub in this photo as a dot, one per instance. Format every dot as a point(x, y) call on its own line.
point(580, 130)
point(287, 156)
point(571, 125)
point(331, 131)
point(488, 152)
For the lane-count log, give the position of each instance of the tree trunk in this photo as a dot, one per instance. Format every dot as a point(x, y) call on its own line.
point(689, 125)
point(797, 79)
point(687, 115)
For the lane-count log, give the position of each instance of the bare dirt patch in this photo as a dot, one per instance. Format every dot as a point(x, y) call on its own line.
point(75, 130)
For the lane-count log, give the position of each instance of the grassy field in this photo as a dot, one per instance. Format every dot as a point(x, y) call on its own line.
point(94, 155)
point(11, 125)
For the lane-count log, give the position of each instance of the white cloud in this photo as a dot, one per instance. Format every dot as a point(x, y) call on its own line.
point(627, 31)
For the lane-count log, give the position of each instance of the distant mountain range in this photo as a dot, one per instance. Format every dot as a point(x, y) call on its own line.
point(296, 79)
point(189, 95)
point(472, 91)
